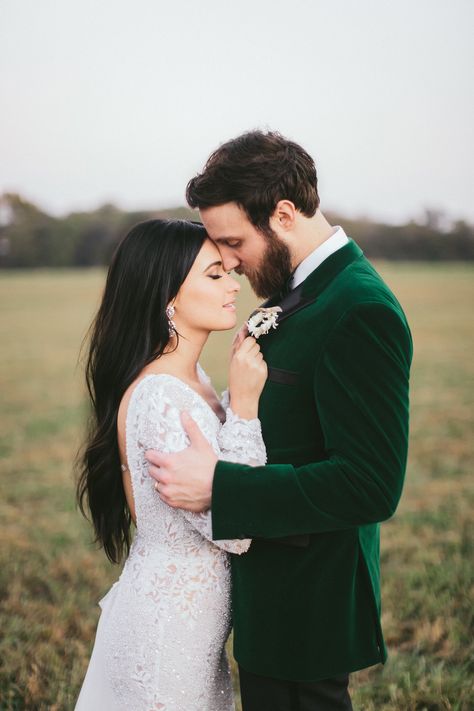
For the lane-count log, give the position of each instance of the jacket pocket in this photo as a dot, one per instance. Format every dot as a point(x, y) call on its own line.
point(282, 376)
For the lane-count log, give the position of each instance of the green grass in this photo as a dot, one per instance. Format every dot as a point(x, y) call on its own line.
point(51, 576)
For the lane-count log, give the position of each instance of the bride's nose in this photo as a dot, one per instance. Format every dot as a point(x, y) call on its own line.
point(234, 285)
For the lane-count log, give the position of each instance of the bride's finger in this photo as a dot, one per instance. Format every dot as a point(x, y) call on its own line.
point(248, 344)
point(240, 336)
point(251, 349)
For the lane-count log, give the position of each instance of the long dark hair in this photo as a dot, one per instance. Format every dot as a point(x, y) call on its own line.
point(129, 331)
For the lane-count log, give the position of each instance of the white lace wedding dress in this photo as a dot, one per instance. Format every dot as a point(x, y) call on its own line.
point(160, 639)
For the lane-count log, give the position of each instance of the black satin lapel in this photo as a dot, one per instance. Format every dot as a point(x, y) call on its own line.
point(290, 304)
point(272, 301)
point(287, 302)
point(293, 302)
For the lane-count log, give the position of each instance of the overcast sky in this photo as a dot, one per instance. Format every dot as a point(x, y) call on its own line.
point(114, 100)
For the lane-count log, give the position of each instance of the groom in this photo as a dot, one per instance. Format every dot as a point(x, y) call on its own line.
point(334, 413)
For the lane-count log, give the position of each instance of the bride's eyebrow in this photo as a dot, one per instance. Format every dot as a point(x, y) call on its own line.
point(214, 264)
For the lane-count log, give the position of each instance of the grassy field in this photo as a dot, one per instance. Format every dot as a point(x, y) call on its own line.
point(51, 577)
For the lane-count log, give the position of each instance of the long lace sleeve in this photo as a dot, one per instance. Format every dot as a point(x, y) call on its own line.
point(160, 428)
point(202, 522)
point(240, 440)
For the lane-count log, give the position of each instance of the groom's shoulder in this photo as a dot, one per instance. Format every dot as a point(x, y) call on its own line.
point(360, 283)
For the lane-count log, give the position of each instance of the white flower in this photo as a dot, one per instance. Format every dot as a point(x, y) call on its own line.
point(263, 320)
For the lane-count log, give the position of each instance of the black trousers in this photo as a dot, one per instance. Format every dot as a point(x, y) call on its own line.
point(261, 693)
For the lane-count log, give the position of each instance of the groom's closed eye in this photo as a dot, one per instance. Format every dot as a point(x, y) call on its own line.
point(230, 242)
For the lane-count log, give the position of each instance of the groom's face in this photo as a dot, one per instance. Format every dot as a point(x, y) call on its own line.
point(265, 260)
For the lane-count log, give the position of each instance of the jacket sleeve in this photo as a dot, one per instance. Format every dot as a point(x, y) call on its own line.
point(361, 394)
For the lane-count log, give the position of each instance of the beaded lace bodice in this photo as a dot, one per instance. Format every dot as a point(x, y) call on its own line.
point(168, 616)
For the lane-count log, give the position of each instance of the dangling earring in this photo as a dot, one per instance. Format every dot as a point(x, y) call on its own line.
point(171, 323)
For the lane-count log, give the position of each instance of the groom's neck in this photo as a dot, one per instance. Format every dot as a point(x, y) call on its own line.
point(309, 233)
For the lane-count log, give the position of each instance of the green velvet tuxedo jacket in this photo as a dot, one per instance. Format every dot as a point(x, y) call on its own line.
point(334, 414)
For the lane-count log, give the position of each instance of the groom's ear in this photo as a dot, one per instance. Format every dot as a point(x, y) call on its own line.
point(283, 219)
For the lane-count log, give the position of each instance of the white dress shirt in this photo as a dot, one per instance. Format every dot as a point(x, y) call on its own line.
point(317, 257)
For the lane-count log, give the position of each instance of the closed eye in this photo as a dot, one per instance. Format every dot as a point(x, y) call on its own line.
point(231, 242)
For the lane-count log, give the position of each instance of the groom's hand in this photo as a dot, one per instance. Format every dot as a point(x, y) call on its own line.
point(184, 480)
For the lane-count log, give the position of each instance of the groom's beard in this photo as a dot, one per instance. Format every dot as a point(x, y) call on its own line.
point(274, 269)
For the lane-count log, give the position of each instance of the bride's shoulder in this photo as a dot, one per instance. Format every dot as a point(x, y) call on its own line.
point(153, 393)
point(162, 386)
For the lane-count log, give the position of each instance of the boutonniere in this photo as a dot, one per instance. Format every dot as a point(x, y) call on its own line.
point(263, 320)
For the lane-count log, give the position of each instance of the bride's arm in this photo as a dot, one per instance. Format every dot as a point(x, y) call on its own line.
point(160, 428)
point(240, 441)
point(240, 438)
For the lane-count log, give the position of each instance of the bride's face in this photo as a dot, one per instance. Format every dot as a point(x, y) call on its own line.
point(206, 299)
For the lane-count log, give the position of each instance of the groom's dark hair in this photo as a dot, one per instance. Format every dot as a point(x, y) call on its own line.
point(256, 170)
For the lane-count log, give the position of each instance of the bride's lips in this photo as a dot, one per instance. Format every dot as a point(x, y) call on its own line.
point(230, 306)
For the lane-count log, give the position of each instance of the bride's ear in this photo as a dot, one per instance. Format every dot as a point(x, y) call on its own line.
point(173, 304)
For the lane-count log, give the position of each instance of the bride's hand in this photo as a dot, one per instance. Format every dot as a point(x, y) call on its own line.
point(239, 338)
point(247, 376)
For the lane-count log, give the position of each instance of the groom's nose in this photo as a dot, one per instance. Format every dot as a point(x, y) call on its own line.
point(229, 260)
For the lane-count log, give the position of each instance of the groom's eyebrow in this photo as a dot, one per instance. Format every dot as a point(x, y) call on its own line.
point(220, 240)
point(214, 264)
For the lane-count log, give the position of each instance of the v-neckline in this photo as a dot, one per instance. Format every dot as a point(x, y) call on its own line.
point(187, 387)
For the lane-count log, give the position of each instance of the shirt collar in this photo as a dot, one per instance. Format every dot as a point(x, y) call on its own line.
point(317, 256)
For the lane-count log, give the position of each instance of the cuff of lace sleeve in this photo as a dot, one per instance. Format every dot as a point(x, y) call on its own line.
point(242, 546)
point(232, 418)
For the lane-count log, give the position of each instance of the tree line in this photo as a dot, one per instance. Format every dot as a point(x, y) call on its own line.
point(31, 238)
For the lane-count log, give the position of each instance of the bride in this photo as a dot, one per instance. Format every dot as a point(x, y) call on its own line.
point(161, 634)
